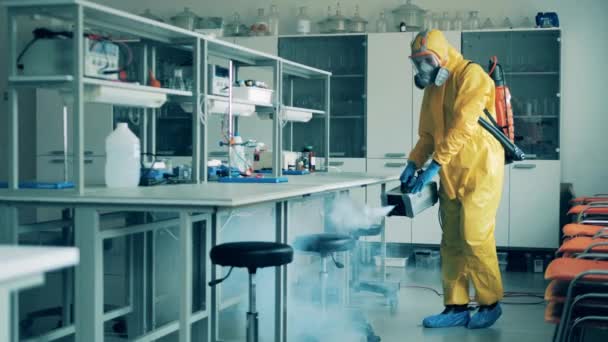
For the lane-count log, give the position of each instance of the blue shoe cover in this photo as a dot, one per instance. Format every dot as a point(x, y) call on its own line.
point(485, 318)
point(448, 318)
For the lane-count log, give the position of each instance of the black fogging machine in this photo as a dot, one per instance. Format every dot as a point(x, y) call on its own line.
point(408, 204)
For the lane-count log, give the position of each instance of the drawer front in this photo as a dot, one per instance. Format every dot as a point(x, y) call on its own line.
point(50, 169)
point(346, 165)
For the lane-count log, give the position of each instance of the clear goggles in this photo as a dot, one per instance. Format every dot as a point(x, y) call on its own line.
point(425, 63)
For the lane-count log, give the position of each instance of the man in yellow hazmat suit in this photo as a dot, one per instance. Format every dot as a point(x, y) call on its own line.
point(470, 163)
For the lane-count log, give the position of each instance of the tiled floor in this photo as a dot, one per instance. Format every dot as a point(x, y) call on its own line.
point(519, 323)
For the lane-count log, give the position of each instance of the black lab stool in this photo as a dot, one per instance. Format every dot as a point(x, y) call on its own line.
point(326, 245)
point(250, 255)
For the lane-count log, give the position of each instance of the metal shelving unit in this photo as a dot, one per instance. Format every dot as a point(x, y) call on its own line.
point(87, 17)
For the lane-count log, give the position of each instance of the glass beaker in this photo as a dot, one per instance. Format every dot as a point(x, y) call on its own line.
point(382, 23)
point(457, 22)
point(473, 22)
point(445, 24)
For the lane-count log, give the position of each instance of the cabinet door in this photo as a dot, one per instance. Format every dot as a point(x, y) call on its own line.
point(534, 205)
point(252, 127)
point(49, 125)
point(398, 229)
point(389, 89)
point(337, 165)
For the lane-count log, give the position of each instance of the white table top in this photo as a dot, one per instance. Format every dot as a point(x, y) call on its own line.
point(212, 194)
point(18, 262)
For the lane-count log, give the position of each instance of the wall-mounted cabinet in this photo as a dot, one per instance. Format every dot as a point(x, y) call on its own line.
point(532, 64)
point(344, 56)
point(531, 61)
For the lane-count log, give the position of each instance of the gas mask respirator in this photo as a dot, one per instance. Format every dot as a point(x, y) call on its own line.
point(429, 71)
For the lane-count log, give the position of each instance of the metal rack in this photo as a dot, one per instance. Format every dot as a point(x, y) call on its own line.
point(86, 17)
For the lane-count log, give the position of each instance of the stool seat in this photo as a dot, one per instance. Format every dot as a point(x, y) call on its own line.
point(324, 243)
point(252, 254)
point(370, 231)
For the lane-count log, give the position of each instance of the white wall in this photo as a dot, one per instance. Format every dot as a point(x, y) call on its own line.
point(27, 127)
point(585, 48)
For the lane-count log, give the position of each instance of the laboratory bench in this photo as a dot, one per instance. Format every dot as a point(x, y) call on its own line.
point(198, 216)
point(25, 267)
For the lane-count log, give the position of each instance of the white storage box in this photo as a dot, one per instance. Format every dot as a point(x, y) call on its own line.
point(253, 94)
point(391, 262)
point(288, 115)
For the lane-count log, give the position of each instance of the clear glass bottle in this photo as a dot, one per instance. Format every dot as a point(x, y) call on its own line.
point(261, 24)
point(445, 24)
point(303, 22)
point(177, 81)
point(428, 21)
point(527, 23)
point(436, 20)
point(382, 23)
point(457, 23)
point(473, 21)
point(487, 24)
point(357, 23)
point(273, 20)
point(507, 23)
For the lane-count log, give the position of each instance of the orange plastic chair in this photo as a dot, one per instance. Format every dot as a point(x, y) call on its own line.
point(594, 209)
point(573, 312)
point(590, 199)
point(567, 269)
point(578, 229)
point(583, 244)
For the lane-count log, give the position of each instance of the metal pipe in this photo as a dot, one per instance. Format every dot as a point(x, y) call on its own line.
point(13, 115)
point(154, 112)
point(326, 146)
point(252, 315)
point(65, 141)
point(205, 112)
point(78, 91)
point(323, 275)
point(252, 286)
point(196, 114)
point(230, 127)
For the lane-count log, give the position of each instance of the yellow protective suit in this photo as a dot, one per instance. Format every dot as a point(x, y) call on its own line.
point(472, 170)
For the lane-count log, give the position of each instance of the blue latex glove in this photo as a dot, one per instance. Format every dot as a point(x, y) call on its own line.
point(408, 175)
point(425, 177)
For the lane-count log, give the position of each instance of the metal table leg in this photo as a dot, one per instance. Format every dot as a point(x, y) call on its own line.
point(383, 236)
point(185, 308)
point(9, 226)
point(89, 276)
point(281, 219)
point(5, 315)
point(214, 291)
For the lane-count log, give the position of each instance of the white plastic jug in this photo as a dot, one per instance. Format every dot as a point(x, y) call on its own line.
point(123, 155)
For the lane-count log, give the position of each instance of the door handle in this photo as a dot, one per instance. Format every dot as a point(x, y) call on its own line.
point(394, 155)
point(61, 161)
point(394, 165)
point(524, 166)
point(336, 163)
point(61, 152)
